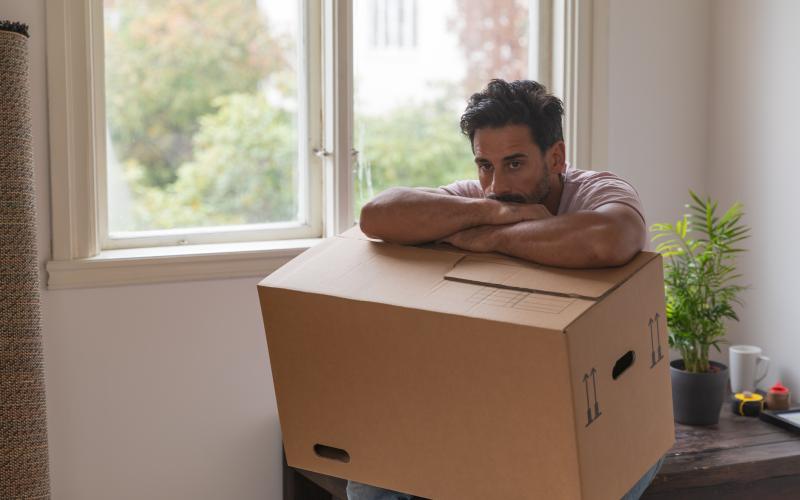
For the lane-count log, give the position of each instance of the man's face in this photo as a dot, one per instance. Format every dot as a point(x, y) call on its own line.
point(511, 167)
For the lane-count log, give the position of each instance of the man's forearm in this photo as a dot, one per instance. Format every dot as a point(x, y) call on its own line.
point(574, 240)
point(577, 240)
point(411, 216)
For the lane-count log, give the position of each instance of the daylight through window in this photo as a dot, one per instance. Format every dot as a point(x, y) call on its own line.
point(202, 115)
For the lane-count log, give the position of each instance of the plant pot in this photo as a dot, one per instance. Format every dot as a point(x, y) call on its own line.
point(697, 397)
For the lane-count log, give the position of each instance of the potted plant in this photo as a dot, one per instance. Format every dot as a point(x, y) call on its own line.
point(699, 279)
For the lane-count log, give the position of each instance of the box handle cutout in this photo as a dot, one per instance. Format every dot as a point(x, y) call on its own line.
point(623, 364)
point(330, 452)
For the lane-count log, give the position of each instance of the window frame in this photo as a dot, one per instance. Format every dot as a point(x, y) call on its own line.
point(77, 143)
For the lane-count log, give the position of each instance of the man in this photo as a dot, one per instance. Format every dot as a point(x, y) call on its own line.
point(527, 202)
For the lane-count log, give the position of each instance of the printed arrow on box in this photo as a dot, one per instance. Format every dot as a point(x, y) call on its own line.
point(658, 337)
point(588, 405)
point(652, 347)
point(596, 403)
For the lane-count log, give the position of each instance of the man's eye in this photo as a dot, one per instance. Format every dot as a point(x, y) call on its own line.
point(485, 166)
point(515, 164)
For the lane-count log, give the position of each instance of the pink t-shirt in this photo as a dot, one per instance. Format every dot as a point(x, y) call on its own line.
point(583, 190)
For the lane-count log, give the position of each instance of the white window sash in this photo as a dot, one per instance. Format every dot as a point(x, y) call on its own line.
point(571, 62)
point(310, 177)
point(72, 167)
point(338, 152)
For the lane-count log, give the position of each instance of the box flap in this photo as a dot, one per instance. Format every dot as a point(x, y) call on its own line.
point(513, 274)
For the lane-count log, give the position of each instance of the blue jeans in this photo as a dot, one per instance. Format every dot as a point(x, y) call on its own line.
point(360, 491)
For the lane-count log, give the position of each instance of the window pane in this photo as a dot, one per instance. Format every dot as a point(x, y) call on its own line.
point(416, 63)
point(201, 107)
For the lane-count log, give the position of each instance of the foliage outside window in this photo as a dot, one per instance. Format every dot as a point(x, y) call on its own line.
point(201, 112)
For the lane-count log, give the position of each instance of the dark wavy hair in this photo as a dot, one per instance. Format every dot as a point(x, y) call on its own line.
point(521, 102)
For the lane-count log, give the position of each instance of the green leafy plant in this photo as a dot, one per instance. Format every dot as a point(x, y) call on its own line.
point(700, 277)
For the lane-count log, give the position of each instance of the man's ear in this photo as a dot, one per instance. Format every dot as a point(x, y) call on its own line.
point(556, 158)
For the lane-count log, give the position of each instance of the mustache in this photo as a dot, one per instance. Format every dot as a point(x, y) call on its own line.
point(508, 198)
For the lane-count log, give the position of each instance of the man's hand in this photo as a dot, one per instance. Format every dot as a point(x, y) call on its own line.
point(485, 238)
point(511, 213)
point(475, 239)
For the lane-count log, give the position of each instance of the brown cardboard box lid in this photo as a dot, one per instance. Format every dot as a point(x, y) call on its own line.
point(446, 280)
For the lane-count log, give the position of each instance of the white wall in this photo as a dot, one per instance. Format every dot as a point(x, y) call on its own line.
point(161, 392)
point(657, 93)
point(703, 95)
point(755, 111)
point(659, 81)
point(157, 392)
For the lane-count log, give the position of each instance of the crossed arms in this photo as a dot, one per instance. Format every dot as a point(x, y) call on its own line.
point(608, 236)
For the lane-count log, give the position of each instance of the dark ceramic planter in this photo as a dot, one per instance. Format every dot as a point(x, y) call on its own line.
point(697, 397)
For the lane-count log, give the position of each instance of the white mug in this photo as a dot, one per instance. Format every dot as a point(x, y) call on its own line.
point(744, 365)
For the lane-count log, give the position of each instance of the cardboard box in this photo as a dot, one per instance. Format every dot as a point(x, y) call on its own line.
point(469, 376)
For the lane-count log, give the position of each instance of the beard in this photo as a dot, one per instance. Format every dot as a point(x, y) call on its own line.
point(539, 194)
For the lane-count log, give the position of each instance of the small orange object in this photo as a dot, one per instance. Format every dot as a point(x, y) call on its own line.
point(778, 397)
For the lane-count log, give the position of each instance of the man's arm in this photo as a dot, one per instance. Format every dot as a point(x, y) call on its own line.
point(608, 236)
point(421, 215)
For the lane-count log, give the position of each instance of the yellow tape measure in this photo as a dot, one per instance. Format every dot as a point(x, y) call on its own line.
point(748, 404)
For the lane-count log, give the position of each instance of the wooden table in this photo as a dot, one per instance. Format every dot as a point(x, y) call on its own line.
point(740, 458)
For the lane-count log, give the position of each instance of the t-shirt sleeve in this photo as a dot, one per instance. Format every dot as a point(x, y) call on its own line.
point(467, 189)
point(604, 188)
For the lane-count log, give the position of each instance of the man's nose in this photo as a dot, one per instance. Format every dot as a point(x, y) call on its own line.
point(500, 185)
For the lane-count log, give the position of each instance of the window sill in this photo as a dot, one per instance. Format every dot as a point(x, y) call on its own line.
point(176, 263)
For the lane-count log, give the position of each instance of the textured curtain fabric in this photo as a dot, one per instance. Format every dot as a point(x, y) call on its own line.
point(24, 471)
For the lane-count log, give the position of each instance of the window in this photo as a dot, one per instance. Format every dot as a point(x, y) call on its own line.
point(202, 122)
point(211, 138)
